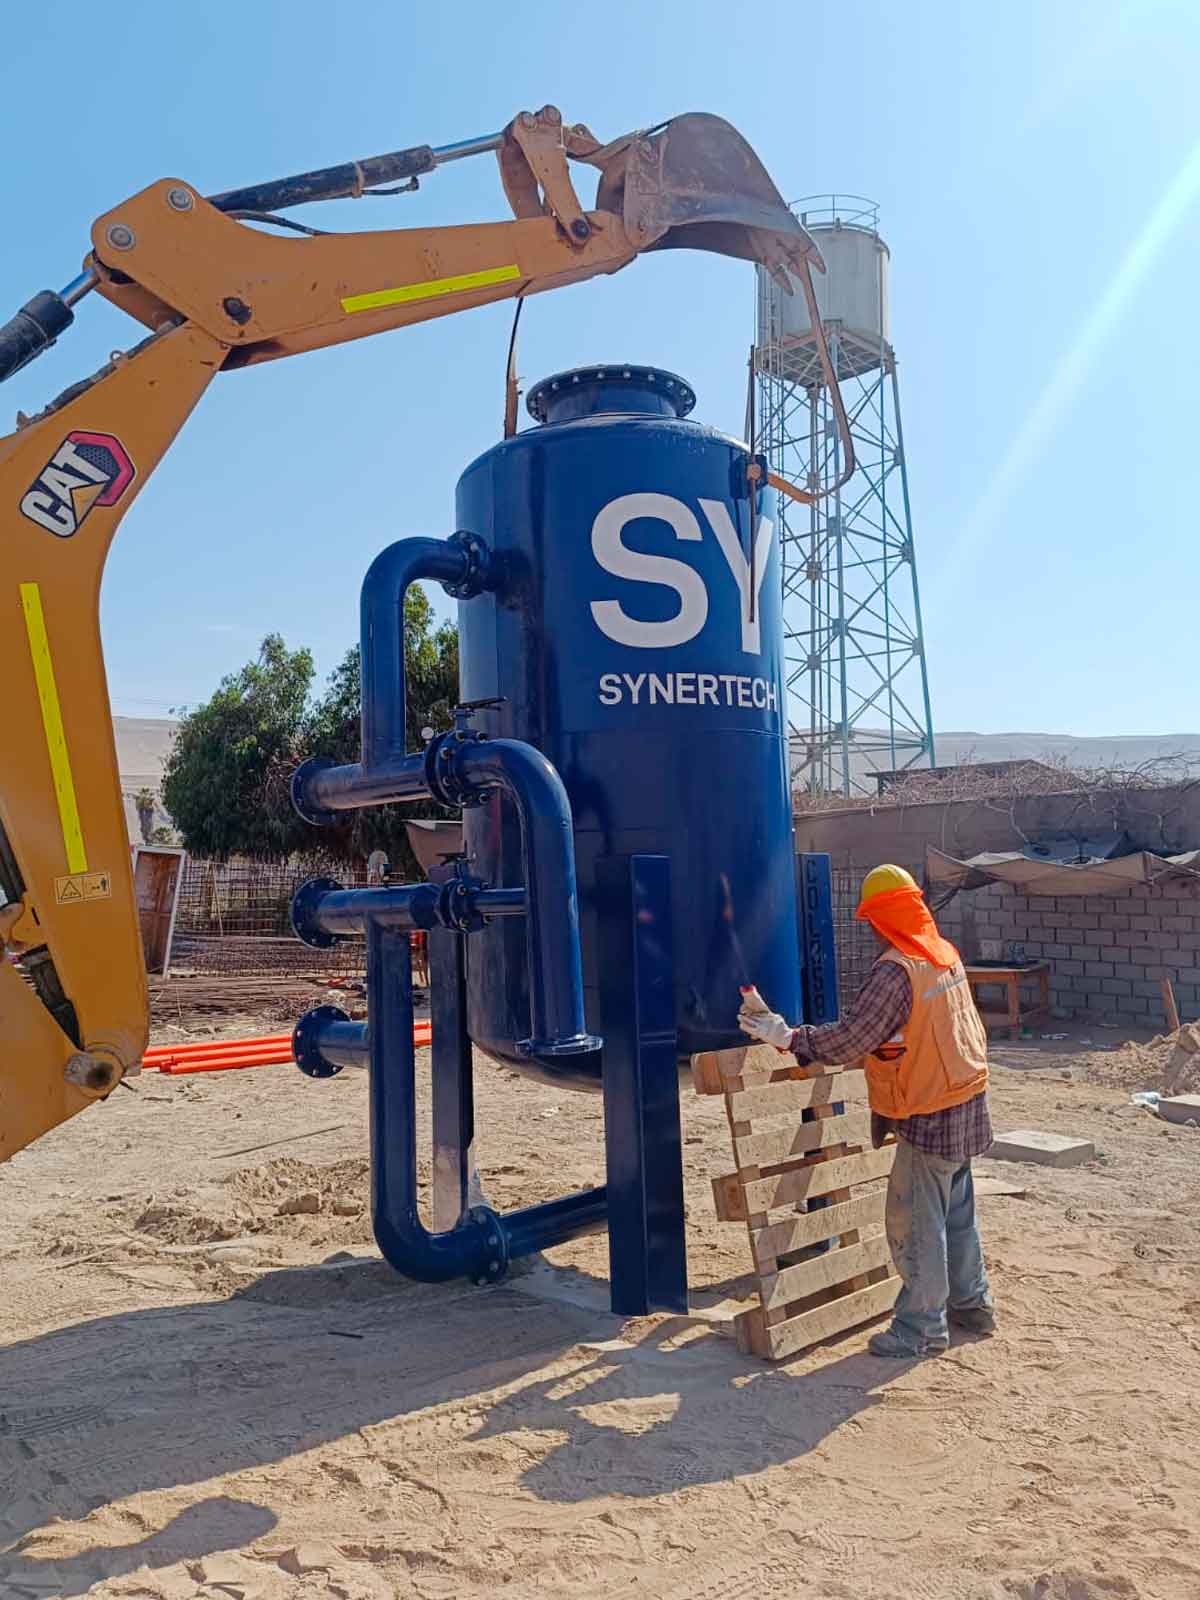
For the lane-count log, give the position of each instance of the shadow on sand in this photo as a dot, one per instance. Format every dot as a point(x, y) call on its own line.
point(171, 1398)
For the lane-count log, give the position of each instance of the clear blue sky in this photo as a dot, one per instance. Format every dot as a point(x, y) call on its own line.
point(1037, 164)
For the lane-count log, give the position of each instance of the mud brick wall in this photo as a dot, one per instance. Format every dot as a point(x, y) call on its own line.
point(1107, 953)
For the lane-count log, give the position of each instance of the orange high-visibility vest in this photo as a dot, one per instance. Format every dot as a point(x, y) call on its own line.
point(938, 1058)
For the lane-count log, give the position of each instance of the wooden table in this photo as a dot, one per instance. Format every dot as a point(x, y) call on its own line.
point(1010, 980)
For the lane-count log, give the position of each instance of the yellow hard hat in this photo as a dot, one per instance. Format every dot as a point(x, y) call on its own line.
point(880, 879)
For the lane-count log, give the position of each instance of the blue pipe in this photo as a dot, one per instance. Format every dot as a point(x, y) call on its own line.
point(460, 565)
point(477, 1247)
point(557, 1023)
point(554, 1221)
point(325, 1040)
point(323, 911)
point(321, 788)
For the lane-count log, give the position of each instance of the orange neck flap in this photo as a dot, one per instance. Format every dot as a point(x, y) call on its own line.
point(902, 918)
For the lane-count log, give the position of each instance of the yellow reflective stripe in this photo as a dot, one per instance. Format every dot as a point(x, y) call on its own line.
point(431, 287)
point(56, 739)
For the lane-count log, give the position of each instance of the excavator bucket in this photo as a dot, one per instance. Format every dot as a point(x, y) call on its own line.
point(695, 184)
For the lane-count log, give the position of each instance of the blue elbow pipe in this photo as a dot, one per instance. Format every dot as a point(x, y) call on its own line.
point(477, 1248)
point(557, 1024)
point(460, 565)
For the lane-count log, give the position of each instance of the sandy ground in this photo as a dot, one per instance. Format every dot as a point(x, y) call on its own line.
point(210, 1385)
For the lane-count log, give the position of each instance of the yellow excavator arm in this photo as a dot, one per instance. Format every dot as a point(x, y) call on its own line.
point(218, 292)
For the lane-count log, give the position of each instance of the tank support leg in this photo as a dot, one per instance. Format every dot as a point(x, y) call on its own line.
point(643, 1144)
point(455, 1179)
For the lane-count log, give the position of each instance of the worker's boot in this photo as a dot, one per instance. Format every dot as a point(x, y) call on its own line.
point(975, 1319)
point(891, 1344)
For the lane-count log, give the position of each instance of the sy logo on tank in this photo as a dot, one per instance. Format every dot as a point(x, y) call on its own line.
point(746, 571)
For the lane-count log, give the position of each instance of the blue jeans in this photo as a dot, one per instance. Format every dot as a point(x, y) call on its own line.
point(934, 1242)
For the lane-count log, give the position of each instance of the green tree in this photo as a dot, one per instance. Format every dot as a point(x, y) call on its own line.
point(221, 778)
point(332, 728)
point(226, 784)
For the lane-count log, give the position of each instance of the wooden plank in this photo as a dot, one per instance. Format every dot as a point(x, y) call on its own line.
point(1169, 1007)
point(773, 1148)
point(829, 1223)
point(790, 1096)
point(706, 1075)
point(755, 1063)
point(823, 1272)
point(749, 1329)
point(823, 1177)
point(810, 1327)
point(729, 1198)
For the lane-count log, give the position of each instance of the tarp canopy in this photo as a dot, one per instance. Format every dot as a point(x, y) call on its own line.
point(1045, 869)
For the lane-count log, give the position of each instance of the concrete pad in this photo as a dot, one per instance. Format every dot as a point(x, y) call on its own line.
point(1180, 1108)
point(1043, 1149)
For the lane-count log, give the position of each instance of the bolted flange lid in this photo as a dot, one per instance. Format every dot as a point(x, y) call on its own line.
point(619, 388)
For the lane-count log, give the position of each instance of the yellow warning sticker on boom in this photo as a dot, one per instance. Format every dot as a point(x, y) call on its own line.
point(81, 886)
point(52, 726)
point(431, 287)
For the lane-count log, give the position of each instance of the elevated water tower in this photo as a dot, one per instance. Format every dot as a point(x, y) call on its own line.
point(858, 689)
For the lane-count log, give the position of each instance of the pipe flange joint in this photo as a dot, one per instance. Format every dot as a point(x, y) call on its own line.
point(442, 774)
point(304, 1041)
point(458, 904)
point(493, 1261)
point(306, 903)
point(301, 778)
point(477, 576)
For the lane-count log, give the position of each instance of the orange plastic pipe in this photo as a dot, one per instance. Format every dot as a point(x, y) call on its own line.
point(225, 1055)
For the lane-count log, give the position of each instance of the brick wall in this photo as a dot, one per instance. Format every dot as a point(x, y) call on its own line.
point(1107, 953)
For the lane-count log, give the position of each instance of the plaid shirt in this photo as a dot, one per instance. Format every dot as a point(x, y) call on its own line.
point(883, 1005)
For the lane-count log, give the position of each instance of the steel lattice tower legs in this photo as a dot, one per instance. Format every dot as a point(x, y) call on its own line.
point(858, 688)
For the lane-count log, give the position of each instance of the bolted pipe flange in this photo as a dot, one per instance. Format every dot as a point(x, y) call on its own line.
point(305, 904)
point(304, 1041)
point(478, 575)
point(495, 1261)
point(319, 817)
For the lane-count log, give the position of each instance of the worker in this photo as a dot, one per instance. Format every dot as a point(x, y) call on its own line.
point(915, 1028)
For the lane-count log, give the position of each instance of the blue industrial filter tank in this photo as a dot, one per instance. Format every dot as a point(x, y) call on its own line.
point(634, 636)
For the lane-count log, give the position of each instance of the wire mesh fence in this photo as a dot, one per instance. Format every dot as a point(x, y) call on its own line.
point(853, 940)
point(233, 918)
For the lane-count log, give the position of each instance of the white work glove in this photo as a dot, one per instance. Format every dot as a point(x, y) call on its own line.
point(761, 1023)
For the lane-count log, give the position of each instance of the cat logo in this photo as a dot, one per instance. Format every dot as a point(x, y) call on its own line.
point(87, 469)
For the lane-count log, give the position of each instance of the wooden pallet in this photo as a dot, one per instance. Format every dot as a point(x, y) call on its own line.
point(783, 1162)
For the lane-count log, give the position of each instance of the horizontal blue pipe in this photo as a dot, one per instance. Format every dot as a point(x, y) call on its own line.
point(538, 1227)
point(410, 905)
point(343, 1044)
point(348, 787)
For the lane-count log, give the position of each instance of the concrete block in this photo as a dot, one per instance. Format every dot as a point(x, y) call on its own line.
point(1134, 1005)
point(1042, 1149)
point(1116, 986)
point(1101, 936)
point(1146, 924)
point(1129, 969)
point(1178, 1108)
point(1178, 924)
point(1056, 952)
point(1098, 969)
point(1115, 921)
point(1079, 919)
point(1067, 969)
